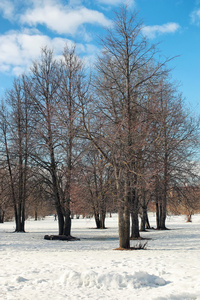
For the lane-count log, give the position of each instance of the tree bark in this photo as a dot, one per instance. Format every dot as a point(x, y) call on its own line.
point(2, 215)
point(124, 227)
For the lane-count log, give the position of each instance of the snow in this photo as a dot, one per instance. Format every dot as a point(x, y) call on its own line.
point(34, 268)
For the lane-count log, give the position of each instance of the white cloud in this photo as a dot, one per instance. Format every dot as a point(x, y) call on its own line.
point(4, 68)
point(19, 49)
point(7, 7)
point(153, 31)
point(195, 17)
point(62, 19)
point(56, 16)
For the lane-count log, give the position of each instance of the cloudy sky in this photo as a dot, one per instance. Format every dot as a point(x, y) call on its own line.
point(28, 25)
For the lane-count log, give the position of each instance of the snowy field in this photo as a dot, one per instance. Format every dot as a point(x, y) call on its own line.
point(34, 268)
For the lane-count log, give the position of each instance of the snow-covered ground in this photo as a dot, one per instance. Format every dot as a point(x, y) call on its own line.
point(34, 268)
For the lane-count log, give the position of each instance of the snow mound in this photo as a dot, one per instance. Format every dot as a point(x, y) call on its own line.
point(182, 296)
point(111, 280)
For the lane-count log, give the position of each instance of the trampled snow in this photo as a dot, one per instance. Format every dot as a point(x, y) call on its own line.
point(34, 268)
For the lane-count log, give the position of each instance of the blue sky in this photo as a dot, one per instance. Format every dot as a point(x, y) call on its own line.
point(28, 25)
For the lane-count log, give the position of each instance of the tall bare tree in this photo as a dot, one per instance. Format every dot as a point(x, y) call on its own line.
point(123, 72)
point(42, 87)
point(71, 87)
point(54, 90)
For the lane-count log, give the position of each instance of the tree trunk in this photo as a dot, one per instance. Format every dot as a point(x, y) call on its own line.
point(163, 219)
point(157, 212)
point(124, 227)
point(123, 216)
point(36, 215)
point(144, 217)
point(135, 233)
point(11, 180)
point(163, 213)
point(67, 223)
point(147, 222)
point(102, 219)
point(60, 220)
point(163, 208)
point(143, 220)
point(2, 215)
point(19, 220)
point(97, 220)
point(135, 225)
point(189, 218)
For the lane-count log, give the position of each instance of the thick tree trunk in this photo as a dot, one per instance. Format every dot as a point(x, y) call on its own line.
point(124, 227)
point(163, 218)
point(67, 223)
point(97, 220)
point(64, 219)
point(19, 221)
point(20, 218)
point(123, 216)
point(161, 215)
point(135, 233)
point(102, 219)
point(63, 213)
point(60, 220)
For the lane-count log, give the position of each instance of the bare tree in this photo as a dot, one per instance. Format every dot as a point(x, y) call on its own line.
point(54, 89)
point(71, 87)
point(174, 144)
point(42, 87)
point(96, 178)
point(14, 126)
point(123, 73)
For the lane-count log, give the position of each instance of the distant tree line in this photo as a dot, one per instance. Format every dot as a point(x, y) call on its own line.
point(115, 139)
